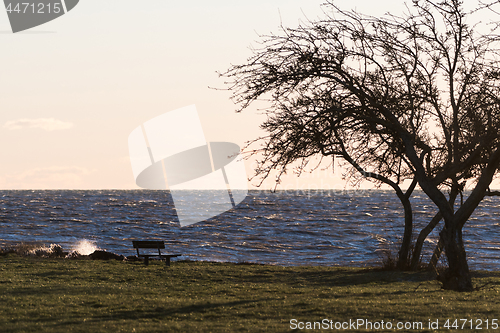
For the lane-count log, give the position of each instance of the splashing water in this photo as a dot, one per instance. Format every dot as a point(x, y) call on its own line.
point(44, 251)
point(85, 247)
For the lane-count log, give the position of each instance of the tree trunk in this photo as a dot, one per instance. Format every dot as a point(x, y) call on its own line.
point(404, 251)
point(436, 255)
point(457, 276)
point(455, 190)
point(415, 260)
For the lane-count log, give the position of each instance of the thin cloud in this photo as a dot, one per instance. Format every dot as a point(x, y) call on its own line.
point(48, 178)
point(46, 124)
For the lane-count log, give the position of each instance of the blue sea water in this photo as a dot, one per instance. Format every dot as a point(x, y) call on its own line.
point(284, 228)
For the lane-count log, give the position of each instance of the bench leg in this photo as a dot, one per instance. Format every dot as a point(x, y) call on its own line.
point(167, 261)
point(146, 261)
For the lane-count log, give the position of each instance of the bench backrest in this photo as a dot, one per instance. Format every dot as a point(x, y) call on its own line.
point(148, 244)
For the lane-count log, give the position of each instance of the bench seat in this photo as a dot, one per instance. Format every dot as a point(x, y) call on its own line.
point(153, 244)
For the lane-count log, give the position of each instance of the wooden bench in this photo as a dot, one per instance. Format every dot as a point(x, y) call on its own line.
point(153, 244)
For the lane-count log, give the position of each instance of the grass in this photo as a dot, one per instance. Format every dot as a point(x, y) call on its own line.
point(63, 295)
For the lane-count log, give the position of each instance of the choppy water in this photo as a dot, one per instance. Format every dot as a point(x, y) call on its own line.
point(285, 228)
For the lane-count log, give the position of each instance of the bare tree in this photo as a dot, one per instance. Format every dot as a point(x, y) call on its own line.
point(410, 97)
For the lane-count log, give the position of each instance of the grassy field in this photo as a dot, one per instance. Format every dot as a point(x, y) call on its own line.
point(63, 295)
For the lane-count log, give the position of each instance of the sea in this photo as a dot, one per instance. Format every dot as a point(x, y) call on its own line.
point(289, 228)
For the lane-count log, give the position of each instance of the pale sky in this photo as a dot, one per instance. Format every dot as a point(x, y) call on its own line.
point(74, 88)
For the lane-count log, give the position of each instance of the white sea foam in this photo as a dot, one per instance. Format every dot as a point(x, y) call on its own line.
point(85, 247)
point(44, 251)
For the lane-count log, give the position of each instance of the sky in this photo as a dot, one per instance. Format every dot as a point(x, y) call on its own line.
point(73, 89)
